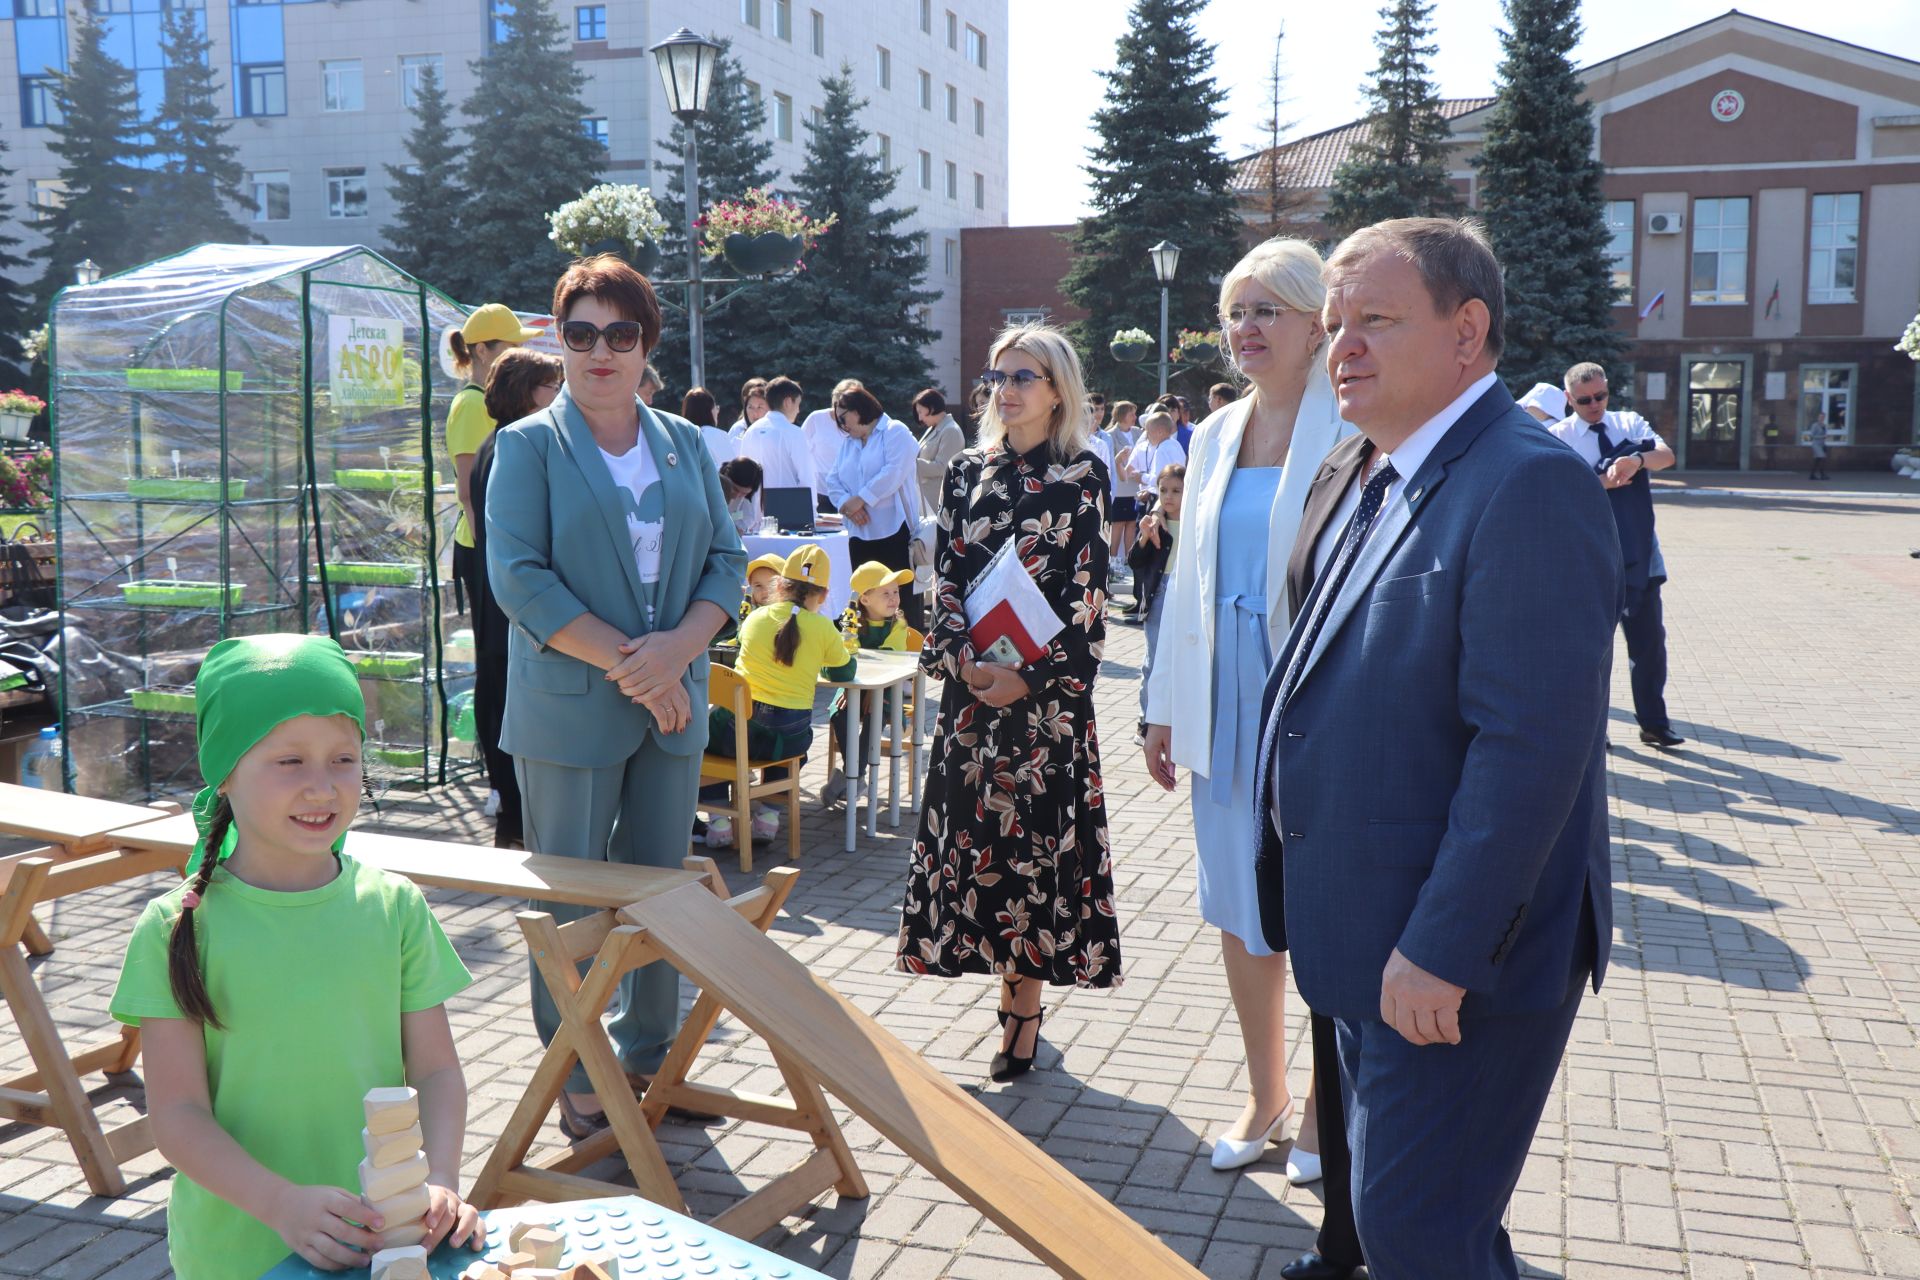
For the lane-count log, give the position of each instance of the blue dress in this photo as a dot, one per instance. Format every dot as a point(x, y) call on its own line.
point(1223, 809)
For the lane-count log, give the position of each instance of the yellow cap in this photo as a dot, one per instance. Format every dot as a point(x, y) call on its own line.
point(777, 564)
point(874, 574)
point(496, 323)
point(808, 564)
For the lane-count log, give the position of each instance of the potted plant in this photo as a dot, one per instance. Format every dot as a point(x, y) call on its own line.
point(25, 478)
point(178, 593)
point(166, 698)
point(1131, 346)
point(616, 218)
point(17, 412)
point(1197, 346)
point(176, 488)
point(371, 573)
point(759, 234)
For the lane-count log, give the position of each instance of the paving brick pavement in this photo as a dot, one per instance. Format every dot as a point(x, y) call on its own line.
point(1738, 1103)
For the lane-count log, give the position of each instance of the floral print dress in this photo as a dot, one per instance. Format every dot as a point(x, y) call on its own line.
point(1011, 872)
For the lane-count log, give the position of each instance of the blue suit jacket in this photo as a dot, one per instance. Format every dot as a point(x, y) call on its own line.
point(1442, 759)
point(557, 548)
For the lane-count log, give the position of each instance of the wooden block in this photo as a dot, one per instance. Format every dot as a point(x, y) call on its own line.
point(408, 1262)
point(483, 1271)
point(545, 1244)
point(391, 1110)
point(514, 1262)
point(518, 1230)
point(384, 1184)
point(404, 1234)
point(384, 1149)
point(406, 1207)
point(602, 1268)
point(541, 1273)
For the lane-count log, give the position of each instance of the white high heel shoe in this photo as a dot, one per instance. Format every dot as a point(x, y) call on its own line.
point(1234, 1153)
point(1303, 1167)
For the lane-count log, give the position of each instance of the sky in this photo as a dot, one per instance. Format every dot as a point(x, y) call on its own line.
point(1061, 51)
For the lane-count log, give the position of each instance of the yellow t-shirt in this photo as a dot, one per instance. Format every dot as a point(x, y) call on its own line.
point(468, 426)
point(775, 683)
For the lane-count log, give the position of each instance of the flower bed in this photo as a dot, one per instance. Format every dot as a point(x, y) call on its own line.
point(175, 593)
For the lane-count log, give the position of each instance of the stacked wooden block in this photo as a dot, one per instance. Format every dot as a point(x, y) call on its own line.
point(393, 1178)
point(537, 1248)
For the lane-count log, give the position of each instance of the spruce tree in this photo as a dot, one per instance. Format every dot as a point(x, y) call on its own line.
point(854, 308)
point(17, 316)
point(428, 192)
point(99, 144)
point(1158, 173)
point(200, 179)
point(1540, 196)
point(527, 157)
point(1400, 170)
point(734, 155)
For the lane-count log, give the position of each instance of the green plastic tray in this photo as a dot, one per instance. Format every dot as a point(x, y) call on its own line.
point(400, 757)
point(372, 573)
point(375, 479)
point(183, 379)
point(176, 594)
point(186, 490)
point(180, 700)
point(393, 663)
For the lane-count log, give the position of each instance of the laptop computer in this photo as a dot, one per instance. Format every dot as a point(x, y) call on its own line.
point(792, 508)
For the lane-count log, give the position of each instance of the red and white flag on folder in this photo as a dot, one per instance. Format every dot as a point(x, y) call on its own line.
point(1010, 621)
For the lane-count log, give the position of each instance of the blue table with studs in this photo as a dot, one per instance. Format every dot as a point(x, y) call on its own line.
point(649, 1243)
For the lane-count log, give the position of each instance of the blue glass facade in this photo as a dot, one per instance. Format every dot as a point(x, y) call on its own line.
point(40, 53)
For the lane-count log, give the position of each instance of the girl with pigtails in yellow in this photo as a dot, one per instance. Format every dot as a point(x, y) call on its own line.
point(283, 980)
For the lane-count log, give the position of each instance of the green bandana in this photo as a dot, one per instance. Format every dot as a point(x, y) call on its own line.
point(250, 686)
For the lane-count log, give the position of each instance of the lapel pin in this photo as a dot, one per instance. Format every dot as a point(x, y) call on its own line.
point(673, 459)
point(1415, 496)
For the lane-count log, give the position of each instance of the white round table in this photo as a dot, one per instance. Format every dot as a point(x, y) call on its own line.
point(839, 562)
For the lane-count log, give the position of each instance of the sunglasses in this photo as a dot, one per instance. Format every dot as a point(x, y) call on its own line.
point(1598, 397)
point(621, 335)
point(994, 379)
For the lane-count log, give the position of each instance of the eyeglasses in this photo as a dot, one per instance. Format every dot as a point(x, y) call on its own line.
point(1598, 397)
point(994, 379)
point(621, 335)
point(1261, 313)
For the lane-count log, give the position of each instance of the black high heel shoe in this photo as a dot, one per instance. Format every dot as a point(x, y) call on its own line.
point(1005, 1066)
point(1013, 993)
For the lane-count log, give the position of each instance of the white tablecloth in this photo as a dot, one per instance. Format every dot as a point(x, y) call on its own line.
point(838, 560)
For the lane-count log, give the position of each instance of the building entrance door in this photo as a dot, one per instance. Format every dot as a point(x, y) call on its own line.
point(1715, 414)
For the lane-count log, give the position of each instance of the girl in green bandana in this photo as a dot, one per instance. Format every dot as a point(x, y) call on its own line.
point(283, 979)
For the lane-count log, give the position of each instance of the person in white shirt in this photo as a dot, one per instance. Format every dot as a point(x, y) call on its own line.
point(1123, 514)
point(873, 484)
point(1621, 448)
point(786, 460)
point(753, 406)
point(698, 407)
point(1157, 448)
point(823, 437)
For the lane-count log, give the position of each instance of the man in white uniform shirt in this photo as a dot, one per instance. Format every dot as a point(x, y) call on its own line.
point(1156, 450)
point(1620, 448)
point(781, 449)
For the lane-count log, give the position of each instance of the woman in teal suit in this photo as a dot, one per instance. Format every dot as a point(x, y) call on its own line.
point(610, 550)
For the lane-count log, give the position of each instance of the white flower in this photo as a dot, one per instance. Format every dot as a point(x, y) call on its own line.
point(610, 211)
point(1910, 340)
point(36, 344)
point(1140, 336)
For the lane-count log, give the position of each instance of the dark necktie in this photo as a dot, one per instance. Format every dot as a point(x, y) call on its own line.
point(1370, 499)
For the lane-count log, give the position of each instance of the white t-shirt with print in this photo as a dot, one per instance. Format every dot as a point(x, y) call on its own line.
point(638, 479)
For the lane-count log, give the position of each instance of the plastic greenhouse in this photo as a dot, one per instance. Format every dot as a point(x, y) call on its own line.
point(249, 440)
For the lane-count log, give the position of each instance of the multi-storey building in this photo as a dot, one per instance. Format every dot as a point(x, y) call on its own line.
point(321, 92)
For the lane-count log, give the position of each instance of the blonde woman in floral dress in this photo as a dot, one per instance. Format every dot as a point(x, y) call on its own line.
point(1011, 873)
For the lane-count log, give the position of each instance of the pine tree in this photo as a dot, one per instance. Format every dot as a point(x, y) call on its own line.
point(1158, 173)
point(1400, 171)
point(1541, 199)
point(527, 157)
point(854, 309)
point(428, 192)
point(734, 152)
point(17, 316)
point(200, 179)
point(99, 144)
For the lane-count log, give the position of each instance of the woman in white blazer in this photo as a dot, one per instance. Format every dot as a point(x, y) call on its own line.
point(1225, 616)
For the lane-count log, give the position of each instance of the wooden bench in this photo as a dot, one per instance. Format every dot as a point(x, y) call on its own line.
point(818, 1036)
point(81, 853)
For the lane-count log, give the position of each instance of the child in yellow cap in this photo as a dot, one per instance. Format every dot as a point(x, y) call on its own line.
point(785, 646)
point(873, 621)
point(283, 980)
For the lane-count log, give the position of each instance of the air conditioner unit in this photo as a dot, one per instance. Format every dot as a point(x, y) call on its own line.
point(1666, 224)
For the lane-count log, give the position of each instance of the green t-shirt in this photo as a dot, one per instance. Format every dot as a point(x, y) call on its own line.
point(468, 426)
point(310, 988)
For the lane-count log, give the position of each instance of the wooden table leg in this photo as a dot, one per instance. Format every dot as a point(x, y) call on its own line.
point(36, 940)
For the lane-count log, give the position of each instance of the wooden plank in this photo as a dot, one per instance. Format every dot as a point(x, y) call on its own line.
point(80, 823)
point(100, 869)
point(72, 1110)
point(792, 1190)
point(19, 1104)
point(469, 868)
point(1067, 1224)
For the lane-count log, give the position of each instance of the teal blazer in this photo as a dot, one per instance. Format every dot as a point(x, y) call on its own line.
point(557, 548)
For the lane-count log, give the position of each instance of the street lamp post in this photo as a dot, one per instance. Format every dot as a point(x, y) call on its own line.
point(1166, 260)
point(686, 63)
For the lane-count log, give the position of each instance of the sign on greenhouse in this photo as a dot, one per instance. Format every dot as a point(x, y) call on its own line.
point(368, 361)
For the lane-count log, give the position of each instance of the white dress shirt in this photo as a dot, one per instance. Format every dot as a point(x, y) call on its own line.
point(1150, 459)
point(1407, 459)
point(880, 472)
point(786, 461)
point(823, 437)
point(1586, 442)
point(722, 446)
point(1097, 445)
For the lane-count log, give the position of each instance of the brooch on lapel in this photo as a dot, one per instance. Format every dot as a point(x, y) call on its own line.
point(673, 459)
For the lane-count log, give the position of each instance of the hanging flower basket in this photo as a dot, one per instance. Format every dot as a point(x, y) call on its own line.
point(17, 410)
point(615, 218)
point(759, 234)
point(1197, 347)
point(1131, 346)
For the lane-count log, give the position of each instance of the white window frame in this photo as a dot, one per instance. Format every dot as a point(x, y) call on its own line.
point(783, 20)
point(953, 181)
point(951, 254)
point(953, 31)
point(343, 85)
point(1011, 316)
point(953, 105)
point(783, 117)
point(883, 143)
point(411, 65)
point(1841, 236)
point(977, 47)
point(883, 66)
point(1850, 394)
point(1619, 216)
point(926, 17)
point(44, 195)
point(753, 90)
point(817, 24)
point(926, 170)
point(260, 184)
point(979, 190)
point(980, 117)
point(926, 90)
point(337, 191)
point(750, 13)
point(1713, 234)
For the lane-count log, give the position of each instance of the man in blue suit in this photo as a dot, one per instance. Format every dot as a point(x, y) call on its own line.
point(1432, 791)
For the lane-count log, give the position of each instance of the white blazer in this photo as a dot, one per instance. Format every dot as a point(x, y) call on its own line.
point(1180, 686)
